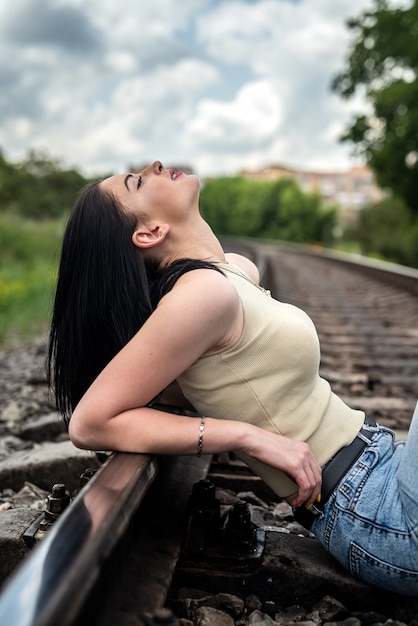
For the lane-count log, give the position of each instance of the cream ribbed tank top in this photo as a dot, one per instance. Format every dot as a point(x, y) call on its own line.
point(270, 378)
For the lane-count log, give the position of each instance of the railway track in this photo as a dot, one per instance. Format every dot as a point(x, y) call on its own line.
point(149, 541)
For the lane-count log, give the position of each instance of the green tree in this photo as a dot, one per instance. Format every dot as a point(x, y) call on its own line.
point(38, 187)
point(231, 205)
point(297, 216)
point(47, 188)
point(387, 230)
point(382, 64)
point(266, 209)
point(7, 182)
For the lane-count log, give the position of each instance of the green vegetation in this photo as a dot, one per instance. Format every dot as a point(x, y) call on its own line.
point(382, 64)
point(38, 187)
point(386, 230)
point(29, 253)
point(266, 209)
point(35, 197)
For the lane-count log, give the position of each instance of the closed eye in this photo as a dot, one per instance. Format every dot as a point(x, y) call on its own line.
point(140, 181)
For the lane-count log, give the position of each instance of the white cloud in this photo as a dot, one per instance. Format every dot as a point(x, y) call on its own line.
point(251, 118)
point(217, 85)
point(228, 130)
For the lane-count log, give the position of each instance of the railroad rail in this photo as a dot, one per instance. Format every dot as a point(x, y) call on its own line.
point(76, 547)
point(366, 314)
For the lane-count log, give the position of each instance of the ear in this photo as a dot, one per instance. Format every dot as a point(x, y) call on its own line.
point(145, 237)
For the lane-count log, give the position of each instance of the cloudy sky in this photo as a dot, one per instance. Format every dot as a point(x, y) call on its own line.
point(215, 84)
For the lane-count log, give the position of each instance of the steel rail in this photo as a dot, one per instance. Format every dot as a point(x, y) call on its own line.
point(400, 275)
point(51, 585)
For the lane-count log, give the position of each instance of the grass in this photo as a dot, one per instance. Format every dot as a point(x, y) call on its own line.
point(29, 252)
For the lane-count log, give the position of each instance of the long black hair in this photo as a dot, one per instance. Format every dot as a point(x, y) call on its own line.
point(105, 292)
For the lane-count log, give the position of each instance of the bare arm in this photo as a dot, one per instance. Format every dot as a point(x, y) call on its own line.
point(201, 314)
point(113, 414)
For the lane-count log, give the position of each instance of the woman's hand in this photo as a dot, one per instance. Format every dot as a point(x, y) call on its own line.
point(295, 458)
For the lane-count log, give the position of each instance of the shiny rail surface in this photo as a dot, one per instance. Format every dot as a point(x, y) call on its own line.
point(399, 275)
point(51, 585)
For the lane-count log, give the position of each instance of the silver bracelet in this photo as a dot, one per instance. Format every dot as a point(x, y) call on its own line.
point(200, 442)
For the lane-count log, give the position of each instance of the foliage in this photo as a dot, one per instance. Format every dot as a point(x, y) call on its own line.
point(35, 196)
point(383, 64)
point(28, 262)
point(276, 210)
point(38, 187)
point(387, 230)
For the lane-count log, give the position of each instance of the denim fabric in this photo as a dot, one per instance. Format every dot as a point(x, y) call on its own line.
point(370, 523)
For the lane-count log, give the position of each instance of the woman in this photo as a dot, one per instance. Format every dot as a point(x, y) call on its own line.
point(147, 301)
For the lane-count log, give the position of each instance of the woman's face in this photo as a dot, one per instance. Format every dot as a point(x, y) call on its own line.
point(156, 194)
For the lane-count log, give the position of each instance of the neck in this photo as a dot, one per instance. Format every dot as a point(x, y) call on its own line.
point(198, 242)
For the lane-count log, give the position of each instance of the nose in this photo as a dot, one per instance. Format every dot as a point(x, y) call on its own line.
point(157, 167)
point(154, 168)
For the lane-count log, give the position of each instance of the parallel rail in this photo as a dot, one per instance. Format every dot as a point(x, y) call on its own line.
point(399, 275)
point(54, 582)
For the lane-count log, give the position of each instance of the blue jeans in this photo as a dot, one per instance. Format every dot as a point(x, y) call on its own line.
point(370, 522)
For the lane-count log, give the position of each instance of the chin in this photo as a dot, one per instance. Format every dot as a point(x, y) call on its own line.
point(195, 178)
point(194, 185)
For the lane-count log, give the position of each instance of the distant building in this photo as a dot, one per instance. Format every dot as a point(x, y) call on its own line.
point(351, 190)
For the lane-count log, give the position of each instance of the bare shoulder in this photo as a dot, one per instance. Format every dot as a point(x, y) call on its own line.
point(244, 264)
point(205, 288)
point(207, 309)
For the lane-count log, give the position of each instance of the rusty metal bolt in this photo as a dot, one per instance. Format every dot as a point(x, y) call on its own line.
point(203, 495)
point(204, 503)
point(56, 502)
point(239, 527)
point(88, 473)
point(204, 512)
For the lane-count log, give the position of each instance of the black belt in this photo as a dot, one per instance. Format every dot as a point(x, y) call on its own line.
point(335, 470)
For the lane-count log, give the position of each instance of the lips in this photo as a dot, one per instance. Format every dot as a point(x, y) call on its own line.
point(174, 175)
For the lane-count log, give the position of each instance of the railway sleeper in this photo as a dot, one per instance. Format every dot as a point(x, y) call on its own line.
point(282, 565)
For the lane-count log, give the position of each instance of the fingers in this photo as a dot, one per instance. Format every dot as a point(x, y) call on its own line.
point(295, 458)
point(306, 497)
point(309, 478)
point(316, 481)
